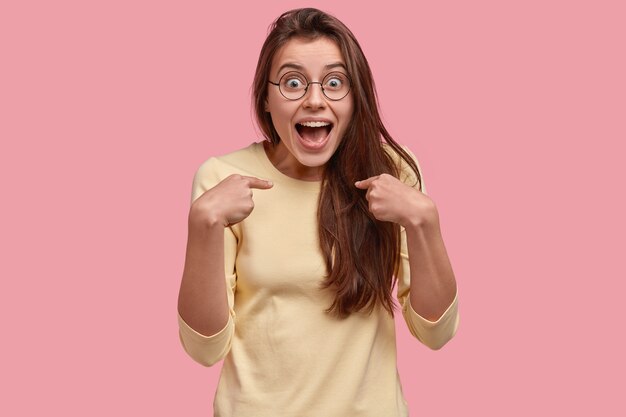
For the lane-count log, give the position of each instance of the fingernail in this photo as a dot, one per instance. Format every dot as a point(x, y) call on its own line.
point(270, 183)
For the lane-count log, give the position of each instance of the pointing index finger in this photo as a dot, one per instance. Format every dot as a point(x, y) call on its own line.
point(365, 183)
point(258, 183)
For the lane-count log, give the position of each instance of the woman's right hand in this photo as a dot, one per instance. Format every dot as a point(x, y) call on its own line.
point(228, 203)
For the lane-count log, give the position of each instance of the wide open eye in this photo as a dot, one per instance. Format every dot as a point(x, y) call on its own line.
point(336, 81)
point(293, 81)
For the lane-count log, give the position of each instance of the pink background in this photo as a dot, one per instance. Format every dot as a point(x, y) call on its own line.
point(516, 111)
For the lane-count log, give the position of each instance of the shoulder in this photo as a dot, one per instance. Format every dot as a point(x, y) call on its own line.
point(242, 158)
point(243, 161)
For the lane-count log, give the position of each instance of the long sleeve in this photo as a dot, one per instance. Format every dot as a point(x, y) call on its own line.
point(207, 350)
point(434, 334)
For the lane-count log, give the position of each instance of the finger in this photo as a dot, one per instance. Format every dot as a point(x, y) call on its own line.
point(254, 182)
point(366, 183)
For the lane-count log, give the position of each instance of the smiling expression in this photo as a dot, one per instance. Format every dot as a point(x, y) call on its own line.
point(312, 127)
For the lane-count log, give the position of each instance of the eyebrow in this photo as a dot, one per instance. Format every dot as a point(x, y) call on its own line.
point(301, 68)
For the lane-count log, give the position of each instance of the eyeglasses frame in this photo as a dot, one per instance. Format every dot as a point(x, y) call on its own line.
point(306, 89)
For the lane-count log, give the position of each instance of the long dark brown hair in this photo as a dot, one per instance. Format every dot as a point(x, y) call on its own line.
point(362, 254)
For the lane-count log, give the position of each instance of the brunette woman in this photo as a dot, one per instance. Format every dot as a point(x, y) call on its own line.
point(295, 243)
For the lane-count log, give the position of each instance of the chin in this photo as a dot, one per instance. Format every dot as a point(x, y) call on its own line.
point(314, 161)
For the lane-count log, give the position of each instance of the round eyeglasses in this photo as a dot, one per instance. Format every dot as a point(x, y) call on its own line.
point(293, 85)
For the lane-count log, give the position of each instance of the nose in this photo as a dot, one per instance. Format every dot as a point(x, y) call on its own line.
point(314, 96)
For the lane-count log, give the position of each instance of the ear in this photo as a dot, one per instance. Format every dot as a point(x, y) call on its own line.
point(267, 106)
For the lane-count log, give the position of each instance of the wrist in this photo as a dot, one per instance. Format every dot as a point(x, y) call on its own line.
point(204, 234)
point(205, 220)
point(422, 218)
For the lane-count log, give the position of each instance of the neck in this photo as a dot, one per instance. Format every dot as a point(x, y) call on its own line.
point(285, 162)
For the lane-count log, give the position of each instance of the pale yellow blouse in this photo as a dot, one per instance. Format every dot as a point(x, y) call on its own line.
point(283, 356)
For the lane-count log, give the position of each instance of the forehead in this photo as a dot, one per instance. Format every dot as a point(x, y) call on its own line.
point(313, 55)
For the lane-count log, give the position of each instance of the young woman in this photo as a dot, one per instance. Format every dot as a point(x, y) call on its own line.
point(294, 243)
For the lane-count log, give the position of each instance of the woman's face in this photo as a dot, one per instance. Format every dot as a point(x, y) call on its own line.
point(311, 127)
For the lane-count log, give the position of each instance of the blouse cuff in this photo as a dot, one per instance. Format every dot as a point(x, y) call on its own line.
point(206, 350)
point(434, 334)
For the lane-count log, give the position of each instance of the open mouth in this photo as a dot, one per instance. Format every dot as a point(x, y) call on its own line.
point(314, 134)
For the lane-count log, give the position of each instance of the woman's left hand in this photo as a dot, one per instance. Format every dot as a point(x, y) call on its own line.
point(393, 201)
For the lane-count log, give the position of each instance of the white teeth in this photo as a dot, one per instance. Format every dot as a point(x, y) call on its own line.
point(314, 124)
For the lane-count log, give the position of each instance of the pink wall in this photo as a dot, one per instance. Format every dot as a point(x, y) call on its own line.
point(516, 111)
